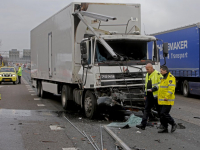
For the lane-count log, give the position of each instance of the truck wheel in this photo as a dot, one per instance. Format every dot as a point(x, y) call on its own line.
point(39, 89)
point(64, 96)
point(90, 105)
point(42, 92)
point(15, 82)
point(186, 88)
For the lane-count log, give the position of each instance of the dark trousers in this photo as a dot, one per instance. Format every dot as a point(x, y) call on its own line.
point(165, 117)
point(149, 104)
point(19, 79)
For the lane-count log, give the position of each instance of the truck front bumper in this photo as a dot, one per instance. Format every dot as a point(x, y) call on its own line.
point(129, 104)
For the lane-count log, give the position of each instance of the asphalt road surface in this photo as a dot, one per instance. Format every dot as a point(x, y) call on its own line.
point(31, 123)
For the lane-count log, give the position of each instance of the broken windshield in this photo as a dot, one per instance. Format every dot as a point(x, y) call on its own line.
point(128, 49)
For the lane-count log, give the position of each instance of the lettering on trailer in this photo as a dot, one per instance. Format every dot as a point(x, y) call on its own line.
point(175, 45)
point(180, 45)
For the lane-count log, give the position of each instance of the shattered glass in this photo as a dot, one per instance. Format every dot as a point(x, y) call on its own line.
point(131, 122)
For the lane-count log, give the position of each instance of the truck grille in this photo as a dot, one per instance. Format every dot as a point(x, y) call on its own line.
point(129, 75)
point(136, 78)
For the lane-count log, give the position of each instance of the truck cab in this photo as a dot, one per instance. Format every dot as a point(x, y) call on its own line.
point(116, 81)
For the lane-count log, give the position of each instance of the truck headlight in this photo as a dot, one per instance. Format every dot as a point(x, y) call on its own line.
point(98, 76)
point(13, 75)
point(0, 75)
point(98, 82)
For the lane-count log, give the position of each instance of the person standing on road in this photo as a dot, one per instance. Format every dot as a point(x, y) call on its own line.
point(166, 97)
point(152, 82)
point(1, 59)
point(19, 73)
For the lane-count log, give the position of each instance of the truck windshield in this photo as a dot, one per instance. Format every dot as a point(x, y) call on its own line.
point(128, 49)
point(7, 70)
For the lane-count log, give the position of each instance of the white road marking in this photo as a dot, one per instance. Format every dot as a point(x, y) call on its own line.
point(56, 127)
point(69, 148)
point(33, 94)
point(37, 99)
point(40, 105)
point(31, 91)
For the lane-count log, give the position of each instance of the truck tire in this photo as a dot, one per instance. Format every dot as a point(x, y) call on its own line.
point(90, 105)
point(186, 91)
point(39, 88)
point(42, 92)
point(65, 96)
point(15, 82)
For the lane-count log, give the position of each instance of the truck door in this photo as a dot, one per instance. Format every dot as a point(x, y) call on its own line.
point(50, 54)
point(87, 62)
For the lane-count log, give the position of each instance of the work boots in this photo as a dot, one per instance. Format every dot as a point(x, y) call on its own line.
point(174, 126)
point(163, 130)
point(140, 126)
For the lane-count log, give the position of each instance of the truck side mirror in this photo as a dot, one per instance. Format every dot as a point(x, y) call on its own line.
point(83, 48)
point(165, 49)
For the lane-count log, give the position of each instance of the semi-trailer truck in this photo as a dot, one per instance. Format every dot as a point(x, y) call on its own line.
point(93, 54)
point(183, 59)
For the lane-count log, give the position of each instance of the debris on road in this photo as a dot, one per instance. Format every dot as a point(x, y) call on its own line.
point(126, 127)
point(74, 126)
point(180, 126)
point(118, 147)
point(49, 141)
point(56, 127)
point(197, 117)
point(85, 135)
point(136, 148)
point(131, 122)
point(101, 137)
point(118, 140)
point(90, 141)
point(138, 132)
point(94, 142)
point(36, 133)
point(70, 149)
point(158, 141)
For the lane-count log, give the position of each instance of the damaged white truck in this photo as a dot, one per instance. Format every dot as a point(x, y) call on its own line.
point(93, 54)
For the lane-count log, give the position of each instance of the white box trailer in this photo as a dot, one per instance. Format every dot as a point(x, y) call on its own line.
point(93, 54)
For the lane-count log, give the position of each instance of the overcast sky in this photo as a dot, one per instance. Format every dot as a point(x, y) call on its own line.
point(19, 17)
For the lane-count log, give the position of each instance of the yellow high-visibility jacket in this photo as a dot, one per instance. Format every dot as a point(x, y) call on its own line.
point(155, 79)
point(19, 73)
point(167, 90)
